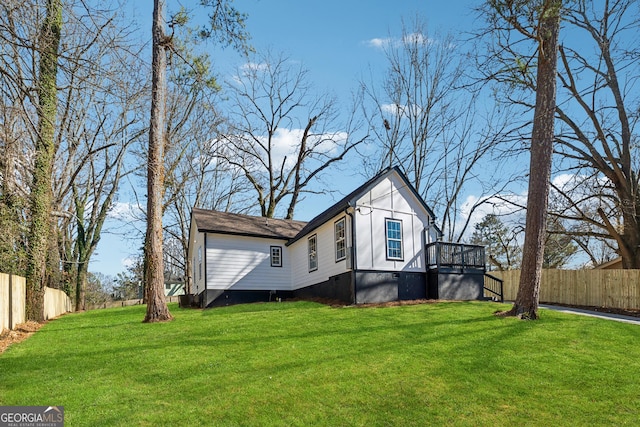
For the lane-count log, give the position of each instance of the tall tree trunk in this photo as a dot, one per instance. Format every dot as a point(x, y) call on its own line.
point(81, 240)
point(157, 309)
point(81, 286)
point(526, 304)
point(41, 192)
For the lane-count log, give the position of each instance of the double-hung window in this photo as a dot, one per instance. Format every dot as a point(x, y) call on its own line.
point(341, 242)
point(313, 252)
point(276, 256)
point(394, 239)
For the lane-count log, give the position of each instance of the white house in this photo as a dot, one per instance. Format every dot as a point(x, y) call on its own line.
point(371, 246)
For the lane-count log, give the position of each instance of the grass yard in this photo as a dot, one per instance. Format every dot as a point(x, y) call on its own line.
point(301, 363)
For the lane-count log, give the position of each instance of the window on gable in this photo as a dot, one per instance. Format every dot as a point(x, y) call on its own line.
point(341, 242)
point(313, 252)
point(276, 256)
point(394, 239)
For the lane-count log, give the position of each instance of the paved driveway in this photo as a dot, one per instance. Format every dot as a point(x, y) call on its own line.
point(608, 316)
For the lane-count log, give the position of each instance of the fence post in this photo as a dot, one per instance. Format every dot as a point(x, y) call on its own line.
point(11, 325)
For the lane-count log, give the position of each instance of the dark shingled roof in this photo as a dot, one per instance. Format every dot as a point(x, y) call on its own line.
point(255, 226)
point(245, 225)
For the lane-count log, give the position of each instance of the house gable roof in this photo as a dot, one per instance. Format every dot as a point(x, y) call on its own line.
point(291, 230)
point(350, 199)
point(245, 225)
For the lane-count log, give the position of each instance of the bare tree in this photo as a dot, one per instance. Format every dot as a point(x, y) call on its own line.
point(202, 182)
point(425, 121)
point(283, 136)
point(84, 127)
point(194, 176)
point(15, 149)
point(419, 101)
point(599, 117)
point(102, 99)
point(19, 31)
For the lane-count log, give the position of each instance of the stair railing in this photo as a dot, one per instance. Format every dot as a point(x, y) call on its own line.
point(494, 285)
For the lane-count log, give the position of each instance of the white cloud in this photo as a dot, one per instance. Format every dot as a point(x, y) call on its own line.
point(285, 142)
point(413, 38)
point(125, 212)
point(582, 183)
point(378, 43)
point(413, 110)
point(390, 108)
point(563, 179)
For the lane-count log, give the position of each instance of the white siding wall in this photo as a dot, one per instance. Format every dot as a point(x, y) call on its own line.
point(390, 199)
point(327, 265)
point(244, 263)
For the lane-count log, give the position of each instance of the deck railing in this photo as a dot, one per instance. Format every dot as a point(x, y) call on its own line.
point(459, 257)
point(455, 255)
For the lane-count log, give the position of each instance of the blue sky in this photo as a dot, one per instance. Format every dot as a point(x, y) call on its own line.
point(337, 41)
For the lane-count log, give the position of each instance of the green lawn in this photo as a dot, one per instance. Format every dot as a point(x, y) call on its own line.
point(307, 364)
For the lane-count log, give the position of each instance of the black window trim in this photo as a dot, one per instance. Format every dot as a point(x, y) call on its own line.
point(271, 248)
point(315, 239)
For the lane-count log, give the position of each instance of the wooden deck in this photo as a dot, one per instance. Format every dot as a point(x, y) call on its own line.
point(446, 255)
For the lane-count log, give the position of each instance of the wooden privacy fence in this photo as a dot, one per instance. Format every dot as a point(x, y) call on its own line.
point(56, 302)
point(13, 300)
point(599, 288)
